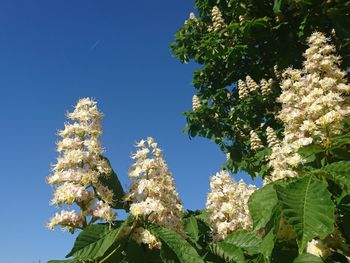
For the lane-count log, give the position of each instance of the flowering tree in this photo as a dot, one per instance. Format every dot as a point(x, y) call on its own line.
point(300, 215)
point(247, 44)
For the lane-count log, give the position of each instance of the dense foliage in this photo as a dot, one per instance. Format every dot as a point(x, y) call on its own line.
point(234, 39)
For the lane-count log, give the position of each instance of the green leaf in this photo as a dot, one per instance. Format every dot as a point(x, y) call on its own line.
point(284, 253)
point(134, 252)
point(115, 254)
point(167, 255)
point(191, 227)
point(310, 152)
point(268, 244)
point(181, 248)
point(111, 181)
point(227, 251)
point(203, 216)
point(308, 208)
point(95, 240)
point(277, 6)
point(261, 205)
point(248, 241)
point(339, 172)
point(307, 258)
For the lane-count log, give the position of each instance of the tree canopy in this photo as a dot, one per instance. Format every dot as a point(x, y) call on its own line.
point(256, 38)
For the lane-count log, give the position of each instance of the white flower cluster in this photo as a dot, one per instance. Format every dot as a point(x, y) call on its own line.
point(217, 20)
point(272, 139)
point(192, 17)
point(318, 248)
point(195, 103)
point(243, 91)
point(265, 86)
point(143, 236)
point(153, 194)
point(227, 204)
point(79, 165)
point(313, 99)
point(313, 104)
point(249, 85)
point(255, 142)
point(67, 219)
point(284, 160)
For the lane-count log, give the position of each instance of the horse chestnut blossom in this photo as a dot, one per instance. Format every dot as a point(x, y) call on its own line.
point(243, 90)
point(195, 103)
point(271, 137)
point(255, 141)
point(227, 204)
point(75, 176)
point(318, 248)
point(217, 19)
point(143, 236)
point(192, 17)
point(251, 84)
point(266, 87)
point(152, 192)
point(314, 103)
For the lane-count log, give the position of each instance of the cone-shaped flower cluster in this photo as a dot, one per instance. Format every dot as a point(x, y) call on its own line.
point(255, 142)
point(313, 99)
point(243, 90)
point(266, 87)
point(313, 104)
point(251, 84)
point(272, 139)
point(195, 103)
point(152, 192)
point(75, 176)
point(217, 19)
point(227, 204)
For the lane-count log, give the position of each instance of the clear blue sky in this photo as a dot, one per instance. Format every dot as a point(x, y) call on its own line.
point(53, 52)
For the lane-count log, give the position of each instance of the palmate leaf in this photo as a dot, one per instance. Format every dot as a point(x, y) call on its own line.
point(308, 208)
point(307, 258)
point(95, 240)
point(184, 252)
point(227, 251)
point(261, 205)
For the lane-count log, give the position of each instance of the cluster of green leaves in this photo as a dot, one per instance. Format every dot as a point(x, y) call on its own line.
point(103, 243)
point(288, 214)
point(259, 34)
